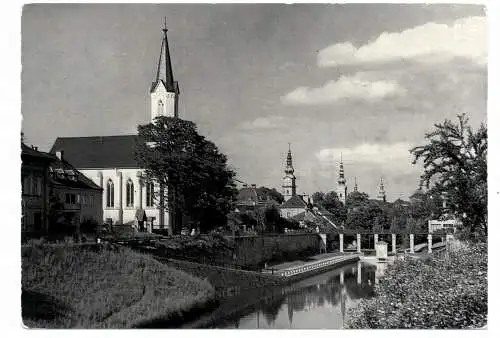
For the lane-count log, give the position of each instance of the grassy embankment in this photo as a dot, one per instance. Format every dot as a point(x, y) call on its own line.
point(442, 291)
point(72, 287)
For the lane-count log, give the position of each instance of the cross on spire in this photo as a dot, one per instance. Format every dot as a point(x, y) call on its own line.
point(165, 29)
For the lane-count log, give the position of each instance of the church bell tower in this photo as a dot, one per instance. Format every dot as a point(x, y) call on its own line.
point(289, 187)
point(164, 90)
point(381, 191)
point(341, 183)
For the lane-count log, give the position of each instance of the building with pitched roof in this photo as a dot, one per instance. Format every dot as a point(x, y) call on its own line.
point(293, 206)
point(34, 189)
point(109, 161)
point(46, 176)
point(249, 198)
point(81, 198)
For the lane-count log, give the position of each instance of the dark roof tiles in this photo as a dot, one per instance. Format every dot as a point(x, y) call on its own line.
point(295, 202)
point(96, 152)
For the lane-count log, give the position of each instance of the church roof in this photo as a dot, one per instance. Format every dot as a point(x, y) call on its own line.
point(295, 202)
point(246, 194)
point(97, 152)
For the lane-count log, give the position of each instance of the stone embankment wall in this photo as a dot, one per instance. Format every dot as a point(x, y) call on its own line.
point(255, 250)
point(227, 282)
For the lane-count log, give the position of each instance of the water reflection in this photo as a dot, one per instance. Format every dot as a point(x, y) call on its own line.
point(321, 301)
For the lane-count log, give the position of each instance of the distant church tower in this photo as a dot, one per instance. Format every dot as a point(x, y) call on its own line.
point(164, 91)
point(289, 187)
point(381, 192)
point(355, 184)
point(341, 183)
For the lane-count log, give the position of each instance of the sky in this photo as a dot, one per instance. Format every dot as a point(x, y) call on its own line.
point(364, 80)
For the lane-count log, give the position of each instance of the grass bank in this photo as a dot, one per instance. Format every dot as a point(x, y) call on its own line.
point(78, 287)
point(442, 291)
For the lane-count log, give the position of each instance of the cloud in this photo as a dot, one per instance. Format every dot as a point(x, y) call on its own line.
point(359, 86)
point(264, 123)
point(429, 43)
point(392, 155)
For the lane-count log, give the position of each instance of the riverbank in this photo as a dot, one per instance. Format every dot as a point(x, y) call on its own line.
point(97, 287)
point(444, 291)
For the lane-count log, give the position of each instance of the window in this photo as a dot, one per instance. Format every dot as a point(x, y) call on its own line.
point(70, 198)
point(130, 193)
point(160, 108)
point(33, 184)
point(110, 194)
point(25, 185)
point(149, 194)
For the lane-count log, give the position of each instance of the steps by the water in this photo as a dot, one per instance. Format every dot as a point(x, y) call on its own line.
point(317, 264)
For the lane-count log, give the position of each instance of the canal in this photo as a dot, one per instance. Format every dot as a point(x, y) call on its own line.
point(318, 302)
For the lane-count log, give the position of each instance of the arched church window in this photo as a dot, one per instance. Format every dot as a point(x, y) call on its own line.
point(160, 108)
point(149, 194)
point(110, 194)
point(130, 193)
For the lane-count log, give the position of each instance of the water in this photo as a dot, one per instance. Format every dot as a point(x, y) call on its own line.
point(318, 302)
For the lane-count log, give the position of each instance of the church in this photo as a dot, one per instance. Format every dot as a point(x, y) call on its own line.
point(294, 205)
point(109, 161)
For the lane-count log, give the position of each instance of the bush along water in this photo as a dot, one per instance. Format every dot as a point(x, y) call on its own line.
point(446, 291)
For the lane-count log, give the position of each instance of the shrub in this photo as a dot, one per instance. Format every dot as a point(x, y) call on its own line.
point(89, 226)
point(448, 291)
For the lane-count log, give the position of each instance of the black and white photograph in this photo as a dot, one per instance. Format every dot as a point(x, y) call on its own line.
point(253, 166)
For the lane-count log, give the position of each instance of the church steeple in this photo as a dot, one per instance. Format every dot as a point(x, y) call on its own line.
point(341, 183)
point(381, 192)
point(289, 165)
point(164, 90)
point(355, 184)
point(289, 186)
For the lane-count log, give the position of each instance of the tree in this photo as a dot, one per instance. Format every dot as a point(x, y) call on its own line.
point(318, 198)
point(265, 193)
point(330, 201)
point(272, 218)
point(199, 185)
point(364, 213)
point(356, 199)
point(455, 164)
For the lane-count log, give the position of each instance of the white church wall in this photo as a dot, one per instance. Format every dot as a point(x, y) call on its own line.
point(120, 213)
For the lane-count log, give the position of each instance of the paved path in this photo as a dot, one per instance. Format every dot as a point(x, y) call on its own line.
point(304, 261)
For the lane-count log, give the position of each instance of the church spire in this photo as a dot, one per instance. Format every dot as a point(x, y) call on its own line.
point(164, 69)
point(164, 90)
point(355, 184)
point(341, 182)
point(289, 165)
point(289, 186)
point(381, 192)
